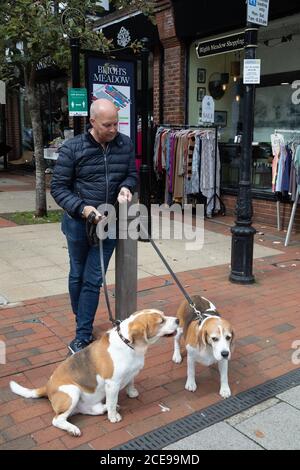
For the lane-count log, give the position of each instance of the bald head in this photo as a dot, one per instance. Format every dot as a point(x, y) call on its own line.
point(103, 107)
point(104, 120)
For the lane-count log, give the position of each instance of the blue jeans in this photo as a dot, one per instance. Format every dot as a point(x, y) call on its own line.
point(85, 277)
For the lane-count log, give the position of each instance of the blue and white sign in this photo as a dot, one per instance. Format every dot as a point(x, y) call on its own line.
point(258, 12)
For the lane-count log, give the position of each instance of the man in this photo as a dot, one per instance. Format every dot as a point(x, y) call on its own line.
point(94, 168)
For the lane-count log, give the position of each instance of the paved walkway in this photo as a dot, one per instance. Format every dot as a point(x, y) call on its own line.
point(265, 317)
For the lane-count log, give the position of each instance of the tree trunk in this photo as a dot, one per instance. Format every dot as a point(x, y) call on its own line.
point(35, 115)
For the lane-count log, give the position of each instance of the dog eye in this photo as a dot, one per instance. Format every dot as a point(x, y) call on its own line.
point(215, 339)
point(228, 338)
point(162, 321)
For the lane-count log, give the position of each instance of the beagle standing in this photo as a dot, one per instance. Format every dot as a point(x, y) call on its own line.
point(84, 380)
point(207, 341)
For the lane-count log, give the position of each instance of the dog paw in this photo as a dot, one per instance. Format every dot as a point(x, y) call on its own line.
point(74, 430)
point(115, 418)
point(191, 386)
point(225, 392)
point(132, 392)
point(177, 358)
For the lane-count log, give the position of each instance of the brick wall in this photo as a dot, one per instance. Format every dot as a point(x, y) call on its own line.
point(173, 69)
point(156, 85)
point(265, 212)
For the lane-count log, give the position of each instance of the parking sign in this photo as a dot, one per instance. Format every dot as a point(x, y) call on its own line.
point(258, 12)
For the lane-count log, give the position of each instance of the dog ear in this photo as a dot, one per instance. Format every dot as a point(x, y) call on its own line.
point(135, 333)
point(232, 341)
point(138, 331)
point(204, 336)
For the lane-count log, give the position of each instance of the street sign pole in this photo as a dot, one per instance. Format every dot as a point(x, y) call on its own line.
point(243, 232)
point(75, 47)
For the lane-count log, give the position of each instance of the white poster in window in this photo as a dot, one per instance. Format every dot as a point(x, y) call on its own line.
point(208, 109)
point(252, 69)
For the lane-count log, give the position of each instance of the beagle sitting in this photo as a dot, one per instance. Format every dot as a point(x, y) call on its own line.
point(82, 381)
point(208, 340)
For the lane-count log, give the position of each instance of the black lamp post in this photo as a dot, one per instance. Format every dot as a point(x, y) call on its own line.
point(75, 55)
point(145, 186)
point(243, 232)
point(73, 25)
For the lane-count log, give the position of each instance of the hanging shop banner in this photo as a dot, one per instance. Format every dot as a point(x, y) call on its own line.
point(258, 12)
point(115, 81)
point(232, 42)
point(208, 109)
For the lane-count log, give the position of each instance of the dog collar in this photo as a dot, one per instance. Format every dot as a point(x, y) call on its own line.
point(201, 317)
point(125, 340)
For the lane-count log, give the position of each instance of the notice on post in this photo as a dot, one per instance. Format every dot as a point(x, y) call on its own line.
point(252, 69)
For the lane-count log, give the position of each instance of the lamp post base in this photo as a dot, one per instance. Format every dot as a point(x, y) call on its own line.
point(242, 254)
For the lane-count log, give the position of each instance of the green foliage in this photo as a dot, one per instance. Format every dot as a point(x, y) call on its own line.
point(29, 218)
point(32, 32)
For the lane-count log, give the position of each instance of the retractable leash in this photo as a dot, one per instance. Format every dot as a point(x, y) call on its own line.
point(199, 315)
point(94, 240)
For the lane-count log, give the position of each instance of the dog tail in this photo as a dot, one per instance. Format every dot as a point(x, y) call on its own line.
point(27, 392)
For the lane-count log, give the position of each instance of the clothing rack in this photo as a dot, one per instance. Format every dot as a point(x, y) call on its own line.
point(293, 213)
point(204, 127)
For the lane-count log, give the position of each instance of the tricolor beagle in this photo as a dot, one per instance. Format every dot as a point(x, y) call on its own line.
point(207, 341)
point(82, 381)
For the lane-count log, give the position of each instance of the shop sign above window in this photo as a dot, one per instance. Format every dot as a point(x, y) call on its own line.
point(229, 43)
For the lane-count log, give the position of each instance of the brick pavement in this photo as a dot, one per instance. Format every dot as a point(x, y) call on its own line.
point(266, 317)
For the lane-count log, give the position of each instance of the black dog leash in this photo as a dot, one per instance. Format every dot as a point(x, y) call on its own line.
point(94, 240)
point(198, 314)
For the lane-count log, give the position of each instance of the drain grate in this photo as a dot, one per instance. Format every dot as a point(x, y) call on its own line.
point(184, 427)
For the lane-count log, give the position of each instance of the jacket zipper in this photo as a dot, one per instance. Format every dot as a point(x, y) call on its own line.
point(105, 153)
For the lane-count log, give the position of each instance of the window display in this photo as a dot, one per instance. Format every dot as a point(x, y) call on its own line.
point(275, 105)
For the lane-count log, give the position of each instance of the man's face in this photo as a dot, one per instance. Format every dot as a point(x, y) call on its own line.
point(105, 126)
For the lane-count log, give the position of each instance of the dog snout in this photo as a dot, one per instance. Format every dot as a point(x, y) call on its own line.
point(225, 354)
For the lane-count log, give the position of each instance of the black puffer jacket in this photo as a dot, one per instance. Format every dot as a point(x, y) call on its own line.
point(85, 175)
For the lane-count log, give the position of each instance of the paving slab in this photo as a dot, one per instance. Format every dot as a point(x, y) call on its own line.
point(220, 436)
point(292, 397)
point(20, 201)
point(277, 428)
point(254, 410)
